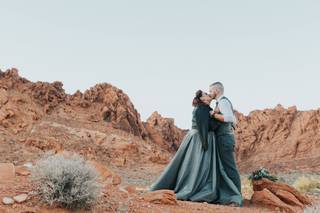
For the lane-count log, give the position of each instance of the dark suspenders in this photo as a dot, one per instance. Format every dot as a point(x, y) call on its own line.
point(229, 102)
point(224, 97)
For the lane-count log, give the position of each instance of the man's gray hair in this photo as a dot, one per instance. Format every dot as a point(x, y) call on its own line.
point(219, 86)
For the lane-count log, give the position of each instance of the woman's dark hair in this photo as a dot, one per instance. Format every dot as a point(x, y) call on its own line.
point(196, 100)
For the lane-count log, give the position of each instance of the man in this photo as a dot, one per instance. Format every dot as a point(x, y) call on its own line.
point(225, 133)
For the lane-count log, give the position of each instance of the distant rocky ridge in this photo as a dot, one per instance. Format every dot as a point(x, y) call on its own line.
point(280, 139)
point(40, 116)
point(101, 102)
point(101, 123)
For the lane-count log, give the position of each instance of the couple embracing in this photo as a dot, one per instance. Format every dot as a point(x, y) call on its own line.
point(204, 167)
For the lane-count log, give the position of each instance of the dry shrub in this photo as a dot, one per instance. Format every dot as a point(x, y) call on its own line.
point(246, 188)
point(306, 184)
point(67, 181)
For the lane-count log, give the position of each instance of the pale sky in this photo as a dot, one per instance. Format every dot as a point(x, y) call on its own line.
point(161, 52)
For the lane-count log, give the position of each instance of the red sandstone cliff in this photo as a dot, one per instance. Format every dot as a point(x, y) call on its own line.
point(280, 139)
point(100, 123)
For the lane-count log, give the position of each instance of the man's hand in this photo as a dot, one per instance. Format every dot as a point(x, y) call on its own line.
point(212, 113)
point(219, 117)
point(217, 110)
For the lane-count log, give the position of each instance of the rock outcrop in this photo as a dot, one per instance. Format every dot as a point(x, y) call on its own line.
point(48, 95)
point(102, 122)
point(23, 102)
point(17, 108)
point(164, 132)
point(278, 196)
point(112, 105)
point(161, 197)
point(40, 117)
point(102, 125)
point(279, 139)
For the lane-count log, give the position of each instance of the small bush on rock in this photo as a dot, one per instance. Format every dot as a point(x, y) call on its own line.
point(67, 181)
point(262, 173)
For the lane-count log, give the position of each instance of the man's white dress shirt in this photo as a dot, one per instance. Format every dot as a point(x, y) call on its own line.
point(226, 109)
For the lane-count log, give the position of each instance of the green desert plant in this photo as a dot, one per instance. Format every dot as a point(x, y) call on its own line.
point(262, 173)
point(67, 181)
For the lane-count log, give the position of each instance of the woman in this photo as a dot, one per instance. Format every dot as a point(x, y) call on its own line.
point(195, 173)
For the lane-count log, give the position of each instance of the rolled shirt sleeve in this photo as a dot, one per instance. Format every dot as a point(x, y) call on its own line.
point(226, 109)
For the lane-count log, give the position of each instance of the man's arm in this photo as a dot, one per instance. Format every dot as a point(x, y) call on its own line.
point(226, 110)
point(219, 117)
point(215, 114)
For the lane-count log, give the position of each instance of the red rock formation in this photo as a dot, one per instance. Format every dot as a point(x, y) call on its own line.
point(100, 123)
point(17, 108)
point(31, 101)
point(44, 144)
point(270, 200)
point(279, 139)
point(277, 188)
point(163, 131)
point(116, 108)
point(48, 95)
point(161, 197)
point(38, 117)
point(107, 103)
point(278, 195)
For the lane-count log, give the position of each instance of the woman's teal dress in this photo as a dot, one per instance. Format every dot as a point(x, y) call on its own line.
point(195, 173)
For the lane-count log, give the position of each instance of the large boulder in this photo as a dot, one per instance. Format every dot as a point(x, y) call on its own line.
point(276, 187)
point(278, 195)
point(268, 199)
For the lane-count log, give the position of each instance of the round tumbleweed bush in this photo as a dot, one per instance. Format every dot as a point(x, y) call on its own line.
point(67, 181)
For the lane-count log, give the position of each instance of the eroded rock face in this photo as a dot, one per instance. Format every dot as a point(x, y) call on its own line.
point(164, 132)
point(100, 124)
point(111, 105)
point(48, 95)
point(279, 139)
point(23, 102)
point(16, 114)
